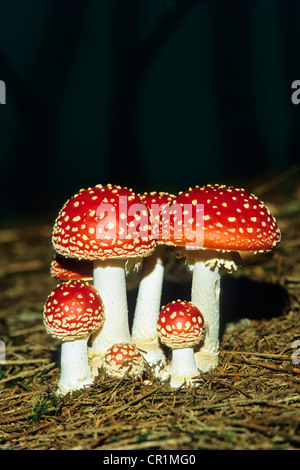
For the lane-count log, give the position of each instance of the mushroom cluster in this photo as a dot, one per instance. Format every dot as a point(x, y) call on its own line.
point(105, 232)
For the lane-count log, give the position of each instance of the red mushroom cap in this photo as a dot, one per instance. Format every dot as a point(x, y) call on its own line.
point(180, 325)
point(103, 222)
point(67, 269)
point(231, 220)
point(123, 358)
point(156, 202)
point(73, 310)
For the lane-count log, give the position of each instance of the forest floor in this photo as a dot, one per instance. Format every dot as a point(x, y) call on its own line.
point(250, 401)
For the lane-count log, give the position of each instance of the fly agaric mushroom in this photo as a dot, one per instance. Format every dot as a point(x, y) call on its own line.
point(72, 312)
point(180, 326)
point(66, 269)
point(224, 221)
point(123, 359)
point(148, 304)
point(108, 225)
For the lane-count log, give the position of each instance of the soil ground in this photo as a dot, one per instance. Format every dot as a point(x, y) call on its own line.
point(250, 401)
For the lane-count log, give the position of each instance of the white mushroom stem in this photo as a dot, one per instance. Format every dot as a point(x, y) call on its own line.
point(206, 287)
point(148, 304)
point(110, 281)
point(205, 295)
point(75, 372)
point(183, 367)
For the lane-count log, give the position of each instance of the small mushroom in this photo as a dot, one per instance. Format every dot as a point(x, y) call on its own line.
point(123, 359)
point(180, 326)
point(222, 222)
point(71, 313)
point(67, 269)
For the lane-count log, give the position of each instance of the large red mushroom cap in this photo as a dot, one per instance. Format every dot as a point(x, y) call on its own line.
point(73, 310)
point(103, 222)
point(180, 325)
point(230, 219)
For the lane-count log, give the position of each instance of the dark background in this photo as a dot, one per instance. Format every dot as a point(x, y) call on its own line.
point(149, 94)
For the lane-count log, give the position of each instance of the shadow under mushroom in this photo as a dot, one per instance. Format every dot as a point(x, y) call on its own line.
point(245, 298)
